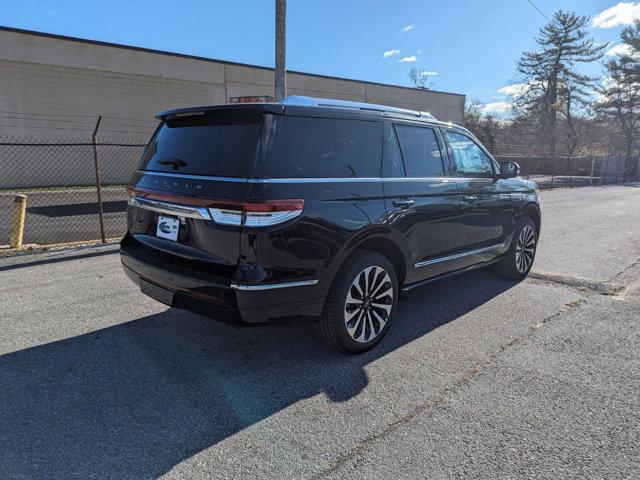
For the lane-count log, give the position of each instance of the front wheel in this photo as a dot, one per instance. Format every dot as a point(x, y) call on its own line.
point(518, 260)
point(361, 303)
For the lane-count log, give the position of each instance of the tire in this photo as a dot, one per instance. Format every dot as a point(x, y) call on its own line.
point(349, 322)
point(518, 260)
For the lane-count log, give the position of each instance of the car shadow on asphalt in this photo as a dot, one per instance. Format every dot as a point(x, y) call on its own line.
point(135, 399)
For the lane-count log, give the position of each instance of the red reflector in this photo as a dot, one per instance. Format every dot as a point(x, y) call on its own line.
point(273, 206)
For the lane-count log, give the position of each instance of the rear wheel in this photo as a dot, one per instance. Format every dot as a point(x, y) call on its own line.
point(518, 260)
point(361, 303)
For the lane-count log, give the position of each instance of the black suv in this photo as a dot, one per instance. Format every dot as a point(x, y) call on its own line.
point(319, 208)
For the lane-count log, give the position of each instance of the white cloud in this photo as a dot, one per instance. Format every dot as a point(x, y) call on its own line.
point(606, 82)
point(410, 59)
point(409, 27)
point(516, 90)
point(620, 49)
point(495, 108)
point(621, 14)
point(513, 90)
point(391, 53)
point(425, 73)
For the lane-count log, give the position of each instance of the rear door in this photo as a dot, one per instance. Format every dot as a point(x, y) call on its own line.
point(194, 169)
point(487, 208)
point(421, 198)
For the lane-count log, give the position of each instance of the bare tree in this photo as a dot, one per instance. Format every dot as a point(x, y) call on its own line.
point(420, 78)
point(620, 96)
point(483, 126)
point(551, 84)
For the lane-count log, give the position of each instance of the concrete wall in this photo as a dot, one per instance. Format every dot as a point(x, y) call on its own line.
point(57, 86)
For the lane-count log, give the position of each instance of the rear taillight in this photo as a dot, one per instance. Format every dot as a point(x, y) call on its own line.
point(256, 214)
point(224, 212)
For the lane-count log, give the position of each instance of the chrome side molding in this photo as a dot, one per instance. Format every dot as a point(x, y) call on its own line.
point(459, 255)
point(166, 208)
point(272, 286)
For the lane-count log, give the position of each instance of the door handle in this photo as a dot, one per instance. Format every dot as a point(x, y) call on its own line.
point(403, 202)
point(469, 198)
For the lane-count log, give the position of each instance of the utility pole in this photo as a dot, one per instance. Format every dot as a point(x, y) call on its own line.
point(281, 49)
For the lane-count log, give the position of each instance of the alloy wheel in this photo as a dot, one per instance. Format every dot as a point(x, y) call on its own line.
point(368, 304)
point(525, 249)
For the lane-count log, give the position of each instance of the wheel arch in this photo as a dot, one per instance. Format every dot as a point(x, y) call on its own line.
point(532, 211)
point(387, 247)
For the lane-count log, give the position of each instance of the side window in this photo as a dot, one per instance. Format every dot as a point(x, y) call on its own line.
point(420, 150)
point(306, 147)
point(468, 158)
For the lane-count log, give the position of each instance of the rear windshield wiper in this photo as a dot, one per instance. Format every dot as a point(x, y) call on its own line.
point(176, 162)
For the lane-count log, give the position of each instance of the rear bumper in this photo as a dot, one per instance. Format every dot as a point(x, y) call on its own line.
point(213, 296)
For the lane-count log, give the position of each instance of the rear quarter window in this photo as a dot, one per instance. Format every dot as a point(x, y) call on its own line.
point(305, 147)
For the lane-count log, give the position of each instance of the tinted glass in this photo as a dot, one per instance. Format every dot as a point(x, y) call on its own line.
point(392, 166)
point(303, 147)
point(468, 158)
point(221, 144)
point(420, 150)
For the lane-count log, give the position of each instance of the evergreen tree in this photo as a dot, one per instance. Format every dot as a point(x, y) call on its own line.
point(620, 96)
point(551, 84)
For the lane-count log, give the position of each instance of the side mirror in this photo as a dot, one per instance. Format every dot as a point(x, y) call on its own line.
point(509, 169)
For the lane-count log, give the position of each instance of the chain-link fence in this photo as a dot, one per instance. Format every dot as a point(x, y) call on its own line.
point(58, 178)
point(563, 171)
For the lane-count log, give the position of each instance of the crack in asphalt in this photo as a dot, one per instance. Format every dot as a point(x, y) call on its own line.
point(601, 287)
point(625, 270)
point(443, 394)
point(624, 294)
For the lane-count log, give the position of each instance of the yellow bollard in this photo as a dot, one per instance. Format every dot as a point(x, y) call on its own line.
point(17, 220)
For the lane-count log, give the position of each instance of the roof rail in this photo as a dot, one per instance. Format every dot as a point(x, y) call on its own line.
point(303, 101)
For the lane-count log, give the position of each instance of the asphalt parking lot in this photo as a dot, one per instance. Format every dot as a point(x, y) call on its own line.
point(479, 377)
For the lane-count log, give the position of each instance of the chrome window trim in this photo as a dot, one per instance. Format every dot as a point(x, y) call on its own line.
point(169, 208)
point(314, 180)
point(458, 255)
point(296, 180)
point(431, 179)
point(272, 286)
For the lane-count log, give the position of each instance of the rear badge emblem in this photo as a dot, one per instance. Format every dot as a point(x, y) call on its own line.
point(166, 228)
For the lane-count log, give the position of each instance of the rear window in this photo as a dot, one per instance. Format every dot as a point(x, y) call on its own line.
point(305, 147)
point(220, 144)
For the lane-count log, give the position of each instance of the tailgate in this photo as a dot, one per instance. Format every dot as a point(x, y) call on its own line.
point(193, 166)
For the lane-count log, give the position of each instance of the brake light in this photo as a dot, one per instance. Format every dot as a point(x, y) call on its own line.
point(256, 214)
point(229, 212)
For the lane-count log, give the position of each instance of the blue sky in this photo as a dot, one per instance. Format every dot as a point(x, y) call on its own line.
point(472, 46)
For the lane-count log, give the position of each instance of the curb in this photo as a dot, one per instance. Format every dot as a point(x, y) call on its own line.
point(49, 256)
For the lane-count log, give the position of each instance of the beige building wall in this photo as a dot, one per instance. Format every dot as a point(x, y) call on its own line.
point(51, 85)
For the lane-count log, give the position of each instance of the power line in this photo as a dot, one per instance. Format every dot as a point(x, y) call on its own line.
point(539, 11)
point(548, 19)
